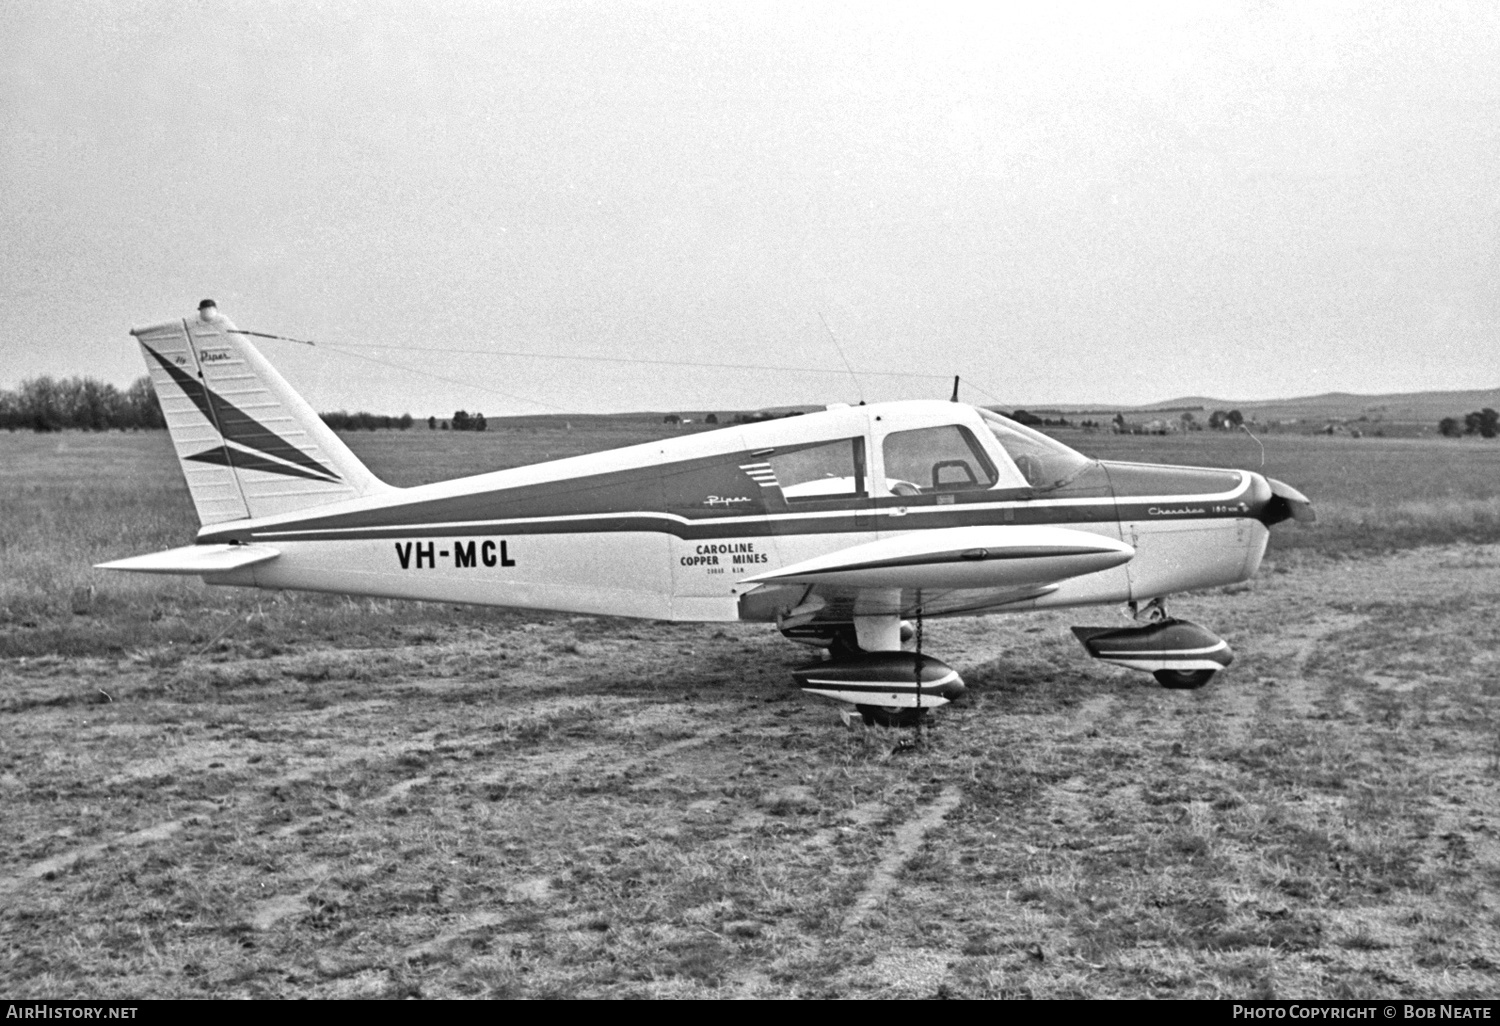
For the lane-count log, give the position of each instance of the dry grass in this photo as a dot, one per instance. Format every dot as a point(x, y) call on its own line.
point(215, 793)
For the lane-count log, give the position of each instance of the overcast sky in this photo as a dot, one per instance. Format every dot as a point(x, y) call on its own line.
point(1073, 203)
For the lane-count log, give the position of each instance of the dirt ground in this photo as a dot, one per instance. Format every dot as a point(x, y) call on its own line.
point(550, 806)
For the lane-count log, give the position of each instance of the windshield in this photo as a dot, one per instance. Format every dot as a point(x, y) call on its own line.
point(1046, 464)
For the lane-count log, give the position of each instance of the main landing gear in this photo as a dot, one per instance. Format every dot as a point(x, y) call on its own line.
point(868, 669)
point(891, 689)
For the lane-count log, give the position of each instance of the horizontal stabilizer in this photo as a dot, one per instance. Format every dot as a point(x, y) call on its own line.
point(999, 556)
point(195, 559)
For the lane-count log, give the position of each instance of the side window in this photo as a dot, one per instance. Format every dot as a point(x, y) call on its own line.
point(830, 470)
point(936, 459)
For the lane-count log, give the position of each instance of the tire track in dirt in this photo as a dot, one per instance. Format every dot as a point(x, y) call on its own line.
point(58, 863)
point(1067, 801)
point(536, 891)
point(308, 770)
point(1301, 646)
point(206, 811)
point(602, 757)
point(1291, 688)
point(907, 970)
point(274, 908)
point(541, 766)
point(905, 843)
point(191, 755)
point(538, 766)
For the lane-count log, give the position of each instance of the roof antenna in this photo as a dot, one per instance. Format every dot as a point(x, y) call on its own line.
point(955, 389)
point(1246, 428)
point(859, 391)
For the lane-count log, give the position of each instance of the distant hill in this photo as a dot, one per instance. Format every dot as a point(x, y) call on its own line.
point(1424, 408)
point(1399, 407)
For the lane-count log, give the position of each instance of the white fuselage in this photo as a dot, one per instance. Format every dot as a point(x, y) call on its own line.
point(672, 530)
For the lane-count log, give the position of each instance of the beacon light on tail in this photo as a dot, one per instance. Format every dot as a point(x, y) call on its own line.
point(838, 527)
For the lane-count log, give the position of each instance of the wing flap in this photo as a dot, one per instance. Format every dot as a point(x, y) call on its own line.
point(194, 559)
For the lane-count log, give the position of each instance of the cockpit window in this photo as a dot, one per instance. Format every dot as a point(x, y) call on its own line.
point(1046, 464)
point(935, 459)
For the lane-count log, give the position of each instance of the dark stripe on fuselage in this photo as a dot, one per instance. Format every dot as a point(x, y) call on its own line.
point(709, 530)
point(673, 500)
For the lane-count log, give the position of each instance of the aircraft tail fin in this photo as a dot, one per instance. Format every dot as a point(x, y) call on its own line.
point(249, 445)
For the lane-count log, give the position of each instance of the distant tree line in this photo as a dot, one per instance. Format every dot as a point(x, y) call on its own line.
point(343, 420)
point(1033, 420)
point(1485, 423)
point(463, 420)
point(88, 404)
point(85, 404)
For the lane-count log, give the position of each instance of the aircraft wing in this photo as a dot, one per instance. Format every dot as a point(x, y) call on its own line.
point(942, 572)
point(195, 559)
point(1003, 557)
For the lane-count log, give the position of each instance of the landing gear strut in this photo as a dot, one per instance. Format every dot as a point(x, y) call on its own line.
point(885, 716)
point(1154, 611)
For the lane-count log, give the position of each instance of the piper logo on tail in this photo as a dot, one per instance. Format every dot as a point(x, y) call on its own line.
point(256, 447)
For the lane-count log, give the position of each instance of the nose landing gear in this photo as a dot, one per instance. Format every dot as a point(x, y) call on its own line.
point(1181, 655)
point(1154, 611)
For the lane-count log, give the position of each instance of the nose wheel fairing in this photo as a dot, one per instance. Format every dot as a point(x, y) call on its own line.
point(1177, 648)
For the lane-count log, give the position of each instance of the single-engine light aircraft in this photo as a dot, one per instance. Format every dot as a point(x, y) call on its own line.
point(839, 527)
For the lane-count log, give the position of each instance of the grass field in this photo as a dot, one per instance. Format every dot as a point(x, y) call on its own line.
point(211, 792)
